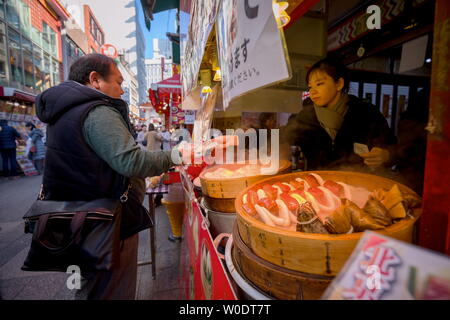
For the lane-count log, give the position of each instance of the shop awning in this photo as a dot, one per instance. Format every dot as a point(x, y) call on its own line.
point(160, 92)
point(168, 86)
point(17, 94)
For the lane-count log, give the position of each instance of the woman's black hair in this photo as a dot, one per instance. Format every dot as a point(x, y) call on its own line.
point(82, 68)
point(30, 125)
point(334, 68)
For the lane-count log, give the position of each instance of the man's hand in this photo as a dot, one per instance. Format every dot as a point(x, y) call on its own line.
point(189, 151)
point(376, 157)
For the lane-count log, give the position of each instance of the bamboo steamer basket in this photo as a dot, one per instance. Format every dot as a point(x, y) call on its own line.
point(220, 194)
point(276, 281)
point(319, 254)
point(220, 205)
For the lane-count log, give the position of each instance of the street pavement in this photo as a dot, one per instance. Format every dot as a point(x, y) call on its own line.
point(16, 197)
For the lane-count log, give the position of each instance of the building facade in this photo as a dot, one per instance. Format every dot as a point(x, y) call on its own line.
point(157, 70)
point(124, 32)
point(130, 87)
point(162, 47)
point(74, 44)
point(30, 44)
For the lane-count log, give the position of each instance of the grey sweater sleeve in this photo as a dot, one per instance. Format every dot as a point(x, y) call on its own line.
point(106, 133)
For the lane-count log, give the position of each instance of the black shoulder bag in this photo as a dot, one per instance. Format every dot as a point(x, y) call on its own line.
point(81, 233)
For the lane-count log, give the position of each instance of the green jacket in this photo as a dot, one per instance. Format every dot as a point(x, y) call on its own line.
point(106, 133)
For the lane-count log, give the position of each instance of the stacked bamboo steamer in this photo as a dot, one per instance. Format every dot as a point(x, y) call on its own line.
point(220, 194)
point(296, 265)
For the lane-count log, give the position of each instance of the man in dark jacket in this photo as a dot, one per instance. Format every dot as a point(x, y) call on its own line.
point(91, 154)
point(8, 137)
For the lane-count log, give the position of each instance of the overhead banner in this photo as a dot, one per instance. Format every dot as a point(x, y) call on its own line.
point(252, 52)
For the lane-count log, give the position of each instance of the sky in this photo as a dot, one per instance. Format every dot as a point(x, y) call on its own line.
point(162, 23)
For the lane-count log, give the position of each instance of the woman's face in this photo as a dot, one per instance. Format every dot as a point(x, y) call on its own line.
point(324, 90)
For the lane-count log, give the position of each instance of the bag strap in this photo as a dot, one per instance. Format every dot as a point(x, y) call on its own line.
point(76, 226)
point(123, 198)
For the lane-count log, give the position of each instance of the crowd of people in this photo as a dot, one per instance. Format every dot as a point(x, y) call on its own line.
point(154, 139)
point(33, 140)
point(147, 137)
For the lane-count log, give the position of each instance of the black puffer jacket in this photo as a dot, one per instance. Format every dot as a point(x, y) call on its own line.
point(74, 172)
point(363, 123)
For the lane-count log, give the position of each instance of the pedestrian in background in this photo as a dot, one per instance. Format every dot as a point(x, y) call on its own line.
point(141, 136)
point(165, 135)
point(8, 137)
point(38, 147)
point(153, 139)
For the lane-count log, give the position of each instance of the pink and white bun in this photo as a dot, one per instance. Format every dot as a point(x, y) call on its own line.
point(283, 213)
point(331, 197)
point(262, 212)
point(318, 178)
point(307, 186)
point(347, 193)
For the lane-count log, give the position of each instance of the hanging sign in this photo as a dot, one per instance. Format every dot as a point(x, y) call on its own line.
point(189, 116)
point(251, 48)
point(109, 50)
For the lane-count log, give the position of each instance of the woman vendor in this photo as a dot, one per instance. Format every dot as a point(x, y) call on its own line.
point(327, 129)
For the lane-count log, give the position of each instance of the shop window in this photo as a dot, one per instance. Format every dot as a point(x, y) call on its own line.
point(55, 72)
point(25, 23)
point(15, 59)
point(370, 93)
point(13, 35)
point(4, 65)
point(12, 13)
point(26, 44)
point(53, 44)
point(28, 63)
point(28, 68)
point(47, 71)
point(72, 49)
point(354, 89)
point(2, 9)
point(38, 68)
point(95, 31)
point(403, 99)
point(46, 37)
point(387, 94)
point(36, 36)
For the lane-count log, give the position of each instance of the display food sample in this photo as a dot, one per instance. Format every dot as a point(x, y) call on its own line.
point(314, 205)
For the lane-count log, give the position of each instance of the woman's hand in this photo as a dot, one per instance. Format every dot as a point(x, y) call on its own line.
point(376, 157)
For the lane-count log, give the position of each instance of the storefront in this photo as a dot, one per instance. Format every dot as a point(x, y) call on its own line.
point(289, 250)
point(17, 107)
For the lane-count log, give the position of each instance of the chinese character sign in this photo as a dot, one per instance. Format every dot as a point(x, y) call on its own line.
point(250, 45)
point(383, 268)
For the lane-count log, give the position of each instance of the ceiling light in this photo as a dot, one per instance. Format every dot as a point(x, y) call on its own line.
point(217, 76)
point(279, 9)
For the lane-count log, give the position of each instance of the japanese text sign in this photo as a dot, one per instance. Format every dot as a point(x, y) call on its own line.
point(251, 48)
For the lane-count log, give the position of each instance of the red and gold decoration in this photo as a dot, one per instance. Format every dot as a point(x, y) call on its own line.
point(166, 99)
